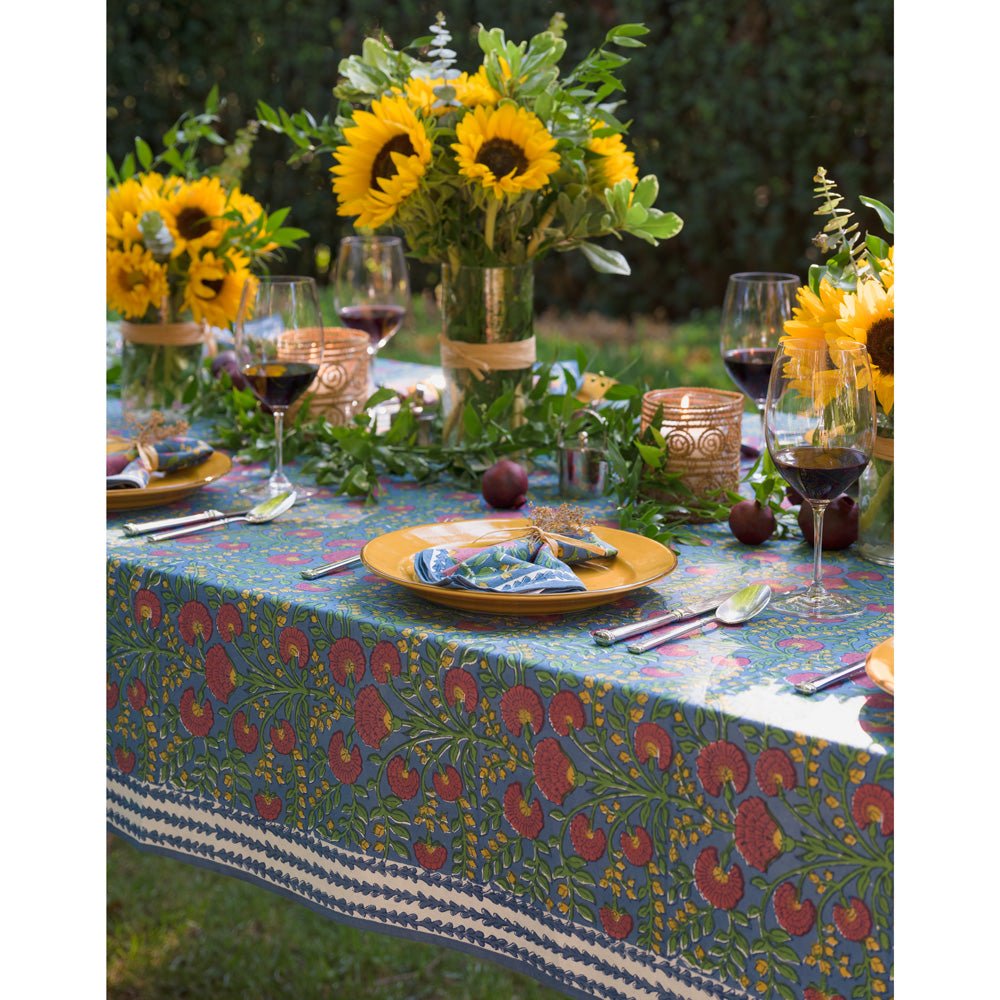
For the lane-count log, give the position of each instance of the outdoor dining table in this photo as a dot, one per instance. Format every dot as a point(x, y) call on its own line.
point(677, 824)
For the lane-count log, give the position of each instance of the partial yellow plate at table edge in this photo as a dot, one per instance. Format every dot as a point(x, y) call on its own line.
point(879, 665)
point(170, 487)
point(640, 562)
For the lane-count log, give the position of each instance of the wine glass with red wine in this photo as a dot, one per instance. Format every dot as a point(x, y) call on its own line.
point(278, 340)
point(754, 312)
point(819, 425)
point(371, 289)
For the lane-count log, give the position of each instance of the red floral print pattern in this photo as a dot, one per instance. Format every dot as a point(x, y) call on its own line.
point(720, 762)
point(448, 783)
point(403, 780)
point(652, 740)
point(460, 689)
point(194, 622)
point(136, 693)
point(854, 921)
point(873, 804)
point(566, 713)
point(774, 771)
point(722, 889)
point(283, 736)
point(587, 842)
point(147, 608)
point(197, 716)
point(347, 659)
point(520, 707)
point(758, 837)
point(345, 764)
point(125, 759)
point(245, 733)
point(372, 718)
point(637, 846)
point(815, 993)
point(112, 695)
point(617, 923)
point(229, 622)
point(385, 662)
point(526, 818)
point(220, 674)
point(268, 805)
point(555, 775)
point(794, 915)
point(293, 645)
point(430, 854)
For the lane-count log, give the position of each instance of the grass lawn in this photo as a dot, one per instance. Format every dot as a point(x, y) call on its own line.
point(176, 931)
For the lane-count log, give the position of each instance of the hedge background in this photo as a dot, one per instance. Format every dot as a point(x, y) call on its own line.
point(733, 103)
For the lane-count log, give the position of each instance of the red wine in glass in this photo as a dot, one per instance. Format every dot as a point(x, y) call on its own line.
point(380, 322)
point(750, 369)
point(279, 384)
point(820, 474)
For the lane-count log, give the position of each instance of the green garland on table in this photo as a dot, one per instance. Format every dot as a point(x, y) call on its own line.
point(353, 456)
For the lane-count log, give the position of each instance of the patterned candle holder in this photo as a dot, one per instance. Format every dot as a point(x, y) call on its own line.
point(702, 429)
point(341, 387)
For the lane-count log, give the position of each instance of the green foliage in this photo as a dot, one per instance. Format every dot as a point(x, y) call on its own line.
point(731, 104)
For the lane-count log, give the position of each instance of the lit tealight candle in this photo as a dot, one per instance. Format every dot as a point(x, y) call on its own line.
point(702, 429)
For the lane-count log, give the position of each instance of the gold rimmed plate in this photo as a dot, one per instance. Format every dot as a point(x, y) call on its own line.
point(167, 488)
point(640, 562)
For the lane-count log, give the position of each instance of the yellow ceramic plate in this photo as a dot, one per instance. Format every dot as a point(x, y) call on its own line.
point(880, 667)
point(169, 487)
point(640, 561)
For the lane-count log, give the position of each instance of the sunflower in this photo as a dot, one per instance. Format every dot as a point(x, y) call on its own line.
point(476, 89)
point(386, 153)
point(506, 149)
point(135, 282)
point(886, 273)
point(611, 163)
point(867, 317)
point(816, 316)
point(125, 204)
point(193, 214)
point(251, 212)
point(214, 286)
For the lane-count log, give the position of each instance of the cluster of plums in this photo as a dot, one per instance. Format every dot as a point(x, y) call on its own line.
point(752, 523)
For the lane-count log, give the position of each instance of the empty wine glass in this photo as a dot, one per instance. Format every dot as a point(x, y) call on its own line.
point(819, 424)
point(278, 340)
point(754, 312)
point(371, 288)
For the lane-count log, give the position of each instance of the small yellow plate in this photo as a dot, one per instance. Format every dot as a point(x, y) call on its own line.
point(880, 667)
point(640, 561)
point(169, 487)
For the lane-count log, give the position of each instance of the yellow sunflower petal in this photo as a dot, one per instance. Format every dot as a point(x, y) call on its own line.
point(214, 287)
point(135, 282)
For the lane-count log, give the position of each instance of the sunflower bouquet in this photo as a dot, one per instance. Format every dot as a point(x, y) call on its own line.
point(851, 296)
point(486, 168)
point(181, 243)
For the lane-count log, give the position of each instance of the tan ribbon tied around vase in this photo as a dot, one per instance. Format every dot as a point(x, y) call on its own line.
point(165, 334)
point(481, 359)
point(883, 449)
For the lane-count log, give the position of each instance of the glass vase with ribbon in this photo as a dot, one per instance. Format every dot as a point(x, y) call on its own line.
point(487, 345)
point(876, 495)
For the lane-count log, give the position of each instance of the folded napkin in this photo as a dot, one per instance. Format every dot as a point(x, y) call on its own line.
point(167, 455)
point(536, 562)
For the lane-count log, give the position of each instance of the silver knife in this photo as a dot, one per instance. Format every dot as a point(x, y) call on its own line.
point(144, 527)
point(609, 636)
point(828, 680)
point(331, 567)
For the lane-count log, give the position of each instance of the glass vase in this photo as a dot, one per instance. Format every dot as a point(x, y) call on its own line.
point(875, 498)
point(160, 366)
point(488, 346)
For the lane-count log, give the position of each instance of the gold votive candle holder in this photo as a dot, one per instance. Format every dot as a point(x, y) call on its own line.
point(341, 387)
point(703, 429)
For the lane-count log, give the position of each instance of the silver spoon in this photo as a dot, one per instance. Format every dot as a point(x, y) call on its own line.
point(741, 607)
point(266, 510)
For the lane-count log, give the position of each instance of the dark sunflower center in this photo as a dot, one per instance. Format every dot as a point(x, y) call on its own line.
point(382, 165)
point(214, 285)
point(193, 223)
point(880, 345)
point(131, 279)
point(502, 157)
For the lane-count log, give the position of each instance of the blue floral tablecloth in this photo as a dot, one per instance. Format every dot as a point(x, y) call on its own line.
point(678, 824)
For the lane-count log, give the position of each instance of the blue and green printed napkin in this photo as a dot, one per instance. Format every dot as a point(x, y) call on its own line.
point(524, 565)
point(168, 455)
